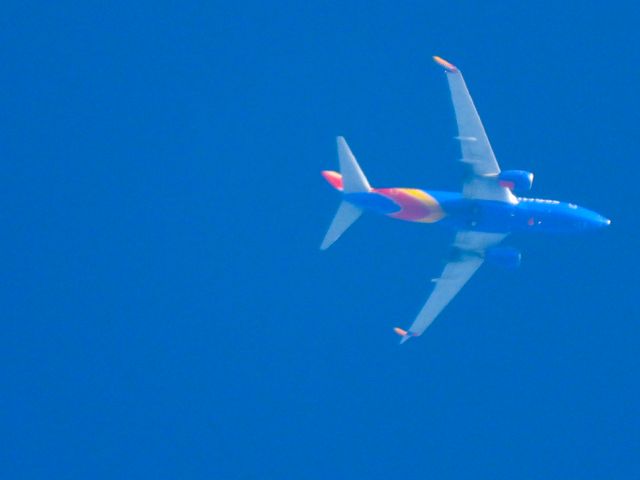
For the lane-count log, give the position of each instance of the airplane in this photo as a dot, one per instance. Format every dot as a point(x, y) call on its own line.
point(482, 215)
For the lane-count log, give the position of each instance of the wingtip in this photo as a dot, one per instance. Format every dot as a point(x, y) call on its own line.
point(449, 67)
point(400, 331)
point(404, 335)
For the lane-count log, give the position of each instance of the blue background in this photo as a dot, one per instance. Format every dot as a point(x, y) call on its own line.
point(166, 312)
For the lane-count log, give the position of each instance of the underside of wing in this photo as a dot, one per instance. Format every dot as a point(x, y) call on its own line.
point(469, 255)
point(474, 143)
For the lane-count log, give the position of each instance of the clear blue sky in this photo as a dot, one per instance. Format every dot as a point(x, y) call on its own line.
point(166, 312)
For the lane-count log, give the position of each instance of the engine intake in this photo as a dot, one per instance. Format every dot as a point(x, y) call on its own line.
point(519, 180)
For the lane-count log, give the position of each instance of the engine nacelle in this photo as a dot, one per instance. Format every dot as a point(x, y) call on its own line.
point(505, 257)
point(519, 180)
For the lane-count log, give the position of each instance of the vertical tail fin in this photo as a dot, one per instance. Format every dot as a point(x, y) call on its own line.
point(353, 180)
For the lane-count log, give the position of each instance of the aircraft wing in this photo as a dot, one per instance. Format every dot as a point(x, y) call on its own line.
point(470, 248)
point(476, 149)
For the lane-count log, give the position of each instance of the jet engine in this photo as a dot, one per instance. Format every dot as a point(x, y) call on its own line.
point(505, 257)
point(519, 180)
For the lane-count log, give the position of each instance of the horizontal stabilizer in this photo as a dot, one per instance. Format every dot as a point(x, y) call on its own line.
point(333, 178)
point(345, 216)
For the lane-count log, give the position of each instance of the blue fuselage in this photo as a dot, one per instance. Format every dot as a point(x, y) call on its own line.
point(456, 211)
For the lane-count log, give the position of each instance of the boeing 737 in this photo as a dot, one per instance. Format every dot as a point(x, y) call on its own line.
point(482, 215)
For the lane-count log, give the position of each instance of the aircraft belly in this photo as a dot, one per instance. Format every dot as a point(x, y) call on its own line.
point(481, 215)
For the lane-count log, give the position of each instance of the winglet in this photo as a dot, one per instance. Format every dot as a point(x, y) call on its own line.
point(404, 334)
point(400, 331)
point(449, 67)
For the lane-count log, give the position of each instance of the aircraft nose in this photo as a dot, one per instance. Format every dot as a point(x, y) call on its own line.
point(592, 220)
point(600, 222)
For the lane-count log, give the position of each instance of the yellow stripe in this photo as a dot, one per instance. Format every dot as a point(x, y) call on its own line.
point(427, 200)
